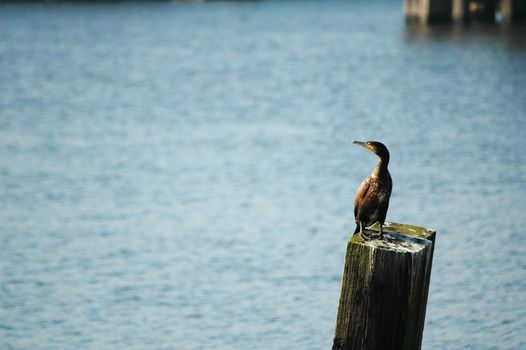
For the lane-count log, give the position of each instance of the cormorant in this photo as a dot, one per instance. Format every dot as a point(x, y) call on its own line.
point(372, 197)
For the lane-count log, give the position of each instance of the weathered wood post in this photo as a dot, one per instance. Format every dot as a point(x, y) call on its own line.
point(384, 290)
point(460, 10)
point(428, 11)
point(512, 10)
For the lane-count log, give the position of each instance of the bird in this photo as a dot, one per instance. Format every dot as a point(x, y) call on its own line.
point(372, 198)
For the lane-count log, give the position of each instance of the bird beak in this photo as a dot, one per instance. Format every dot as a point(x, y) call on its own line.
point(363, 144)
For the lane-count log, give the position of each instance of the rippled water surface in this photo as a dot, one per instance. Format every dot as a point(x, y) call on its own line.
point(181, 176)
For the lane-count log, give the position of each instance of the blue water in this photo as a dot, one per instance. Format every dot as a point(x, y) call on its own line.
point(181, 176)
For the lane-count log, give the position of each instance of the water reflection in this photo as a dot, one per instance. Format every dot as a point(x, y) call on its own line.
point(511, 36)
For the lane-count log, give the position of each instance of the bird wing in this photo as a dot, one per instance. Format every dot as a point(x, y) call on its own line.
point(383, 197)
point(361, 193)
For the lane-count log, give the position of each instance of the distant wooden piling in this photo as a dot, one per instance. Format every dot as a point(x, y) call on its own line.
point(512, 11)
point(384, 290)
point(433, 11)
point(428, 11)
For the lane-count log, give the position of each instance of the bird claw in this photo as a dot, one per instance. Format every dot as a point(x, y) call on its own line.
point(364, 236)
point(377, 236)
point(370, 237)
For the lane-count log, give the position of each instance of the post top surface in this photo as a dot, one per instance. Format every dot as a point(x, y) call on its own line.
point(400, 238)
point(406, 230)
point(395, 242)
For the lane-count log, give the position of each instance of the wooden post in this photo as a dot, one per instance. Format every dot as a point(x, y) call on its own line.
point(506, 10)
point(428, 11)
point(460, 11)
point(512, 11)
point(384, 290)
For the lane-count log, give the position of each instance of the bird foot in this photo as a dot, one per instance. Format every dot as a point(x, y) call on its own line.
point(377, 236)
point(364, 236)
point(369, 237)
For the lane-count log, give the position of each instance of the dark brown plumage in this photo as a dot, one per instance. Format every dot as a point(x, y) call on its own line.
point(372, 198)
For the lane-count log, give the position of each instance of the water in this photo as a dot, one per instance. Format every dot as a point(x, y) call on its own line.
point(181, 176)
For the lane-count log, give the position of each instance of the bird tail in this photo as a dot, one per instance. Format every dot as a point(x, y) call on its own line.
point(357, 229)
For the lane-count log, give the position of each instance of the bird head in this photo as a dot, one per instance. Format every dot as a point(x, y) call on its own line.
point(376, 147)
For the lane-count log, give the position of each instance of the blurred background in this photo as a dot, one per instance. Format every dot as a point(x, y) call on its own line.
point(181, 175)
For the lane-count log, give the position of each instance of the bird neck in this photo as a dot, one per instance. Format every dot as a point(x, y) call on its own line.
point(381, 168)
